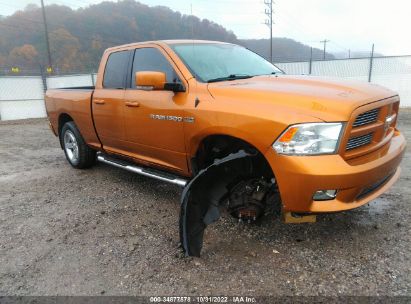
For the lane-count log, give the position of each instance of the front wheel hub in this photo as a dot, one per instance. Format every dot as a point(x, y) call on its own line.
point(247, 199)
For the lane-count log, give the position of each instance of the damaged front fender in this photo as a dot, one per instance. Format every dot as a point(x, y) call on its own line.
point(204, 194)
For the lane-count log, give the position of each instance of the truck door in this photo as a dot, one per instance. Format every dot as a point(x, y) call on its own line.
point(108, 103)
point(154, 126)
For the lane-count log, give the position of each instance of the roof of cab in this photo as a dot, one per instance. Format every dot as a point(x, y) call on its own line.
point(169, 42)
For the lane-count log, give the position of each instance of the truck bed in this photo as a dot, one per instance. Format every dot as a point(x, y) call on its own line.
point(77, 102)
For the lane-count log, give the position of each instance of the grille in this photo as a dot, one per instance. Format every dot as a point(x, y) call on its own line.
point(359, 141)
point(366, 118)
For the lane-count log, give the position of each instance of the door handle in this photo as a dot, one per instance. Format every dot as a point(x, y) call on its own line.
point(99, 101)
point(132, 104)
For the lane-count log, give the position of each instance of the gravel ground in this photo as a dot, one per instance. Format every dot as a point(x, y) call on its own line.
point(106, 231)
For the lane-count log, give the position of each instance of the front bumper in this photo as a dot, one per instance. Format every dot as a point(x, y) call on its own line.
point(299, 177)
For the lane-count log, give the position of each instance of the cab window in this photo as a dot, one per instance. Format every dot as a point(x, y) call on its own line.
point(151, 59)
point(116, 70)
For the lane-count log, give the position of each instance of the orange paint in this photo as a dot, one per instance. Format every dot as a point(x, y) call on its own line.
point(256, 110)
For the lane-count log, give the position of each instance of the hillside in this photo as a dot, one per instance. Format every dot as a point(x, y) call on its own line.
point(284, 49)
point(78, 37)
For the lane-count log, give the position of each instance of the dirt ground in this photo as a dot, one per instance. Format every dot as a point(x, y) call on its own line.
point(106, 231)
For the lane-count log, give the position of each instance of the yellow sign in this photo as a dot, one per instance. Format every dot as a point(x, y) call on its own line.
point(15, 69)
point(49, 70)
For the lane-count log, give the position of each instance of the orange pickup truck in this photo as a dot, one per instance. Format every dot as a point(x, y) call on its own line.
point(233, 130)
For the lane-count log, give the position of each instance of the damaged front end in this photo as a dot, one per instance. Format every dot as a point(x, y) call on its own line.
point(241, 179)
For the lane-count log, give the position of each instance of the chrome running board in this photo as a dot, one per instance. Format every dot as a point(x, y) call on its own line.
point(157, 174)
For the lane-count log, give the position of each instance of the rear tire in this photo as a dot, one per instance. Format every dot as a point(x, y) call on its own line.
point(78, 153)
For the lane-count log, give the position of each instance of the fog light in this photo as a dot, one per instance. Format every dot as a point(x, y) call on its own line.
point(324, 195)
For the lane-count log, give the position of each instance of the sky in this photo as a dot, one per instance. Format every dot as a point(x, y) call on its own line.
point(349, 24)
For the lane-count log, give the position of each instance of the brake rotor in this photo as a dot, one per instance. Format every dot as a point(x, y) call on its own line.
point(247, 199)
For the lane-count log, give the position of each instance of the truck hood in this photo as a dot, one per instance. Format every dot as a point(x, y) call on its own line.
point(324, 98)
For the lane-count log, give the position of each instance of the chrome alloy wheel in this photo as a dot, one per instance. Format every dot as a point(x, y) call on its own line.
point(71, 146)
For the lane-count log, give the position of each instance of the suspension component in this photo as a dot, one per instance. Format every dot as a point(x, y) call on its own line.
point(246, 199)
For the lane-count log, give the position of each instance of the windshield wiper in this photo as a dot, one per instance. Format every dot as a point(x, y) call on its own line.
point(231, 77)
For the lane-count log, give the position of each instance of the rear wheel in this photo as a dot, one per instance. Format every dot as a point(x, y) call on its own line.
point(78, 153)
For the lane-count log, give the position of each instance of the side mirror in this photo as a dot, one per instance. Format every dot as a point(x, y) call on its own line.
point(157, 81)
point(154, 80)
point(174, 86)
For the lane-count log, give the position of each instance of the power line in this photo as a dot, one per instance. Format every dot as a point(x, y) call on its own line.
point(68, 4)
point(294, 22)
point(300, 29)
point(86, 37)
point(339, 45)
point(55, 34)
point(83, 2)
point(269, 22)
point(348, 51)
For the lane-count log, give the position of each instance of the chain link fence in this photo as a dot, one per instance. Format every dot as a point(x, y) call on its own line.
point(23, 96)
point(393, 72)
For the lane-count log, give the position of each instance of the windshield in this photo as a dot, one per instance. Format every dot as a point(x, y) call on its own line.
point(210, 62)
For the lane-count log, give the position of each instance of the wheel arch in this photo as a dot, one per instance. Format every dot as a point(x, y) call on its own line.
point(62, 120)
point(219, 145)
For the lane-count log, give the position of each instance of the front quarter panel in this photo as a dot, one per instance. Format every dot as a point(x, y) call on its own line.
point(258, 124)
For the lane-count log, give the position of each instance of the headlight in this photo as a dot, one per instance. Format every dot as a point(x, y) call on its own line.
point(309, 139)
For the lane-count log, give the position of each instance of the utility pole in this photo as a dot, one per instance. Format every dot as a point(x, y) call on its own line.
point(349, 54)
point(325, 41)
point(46, 33)
point(269, 22)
